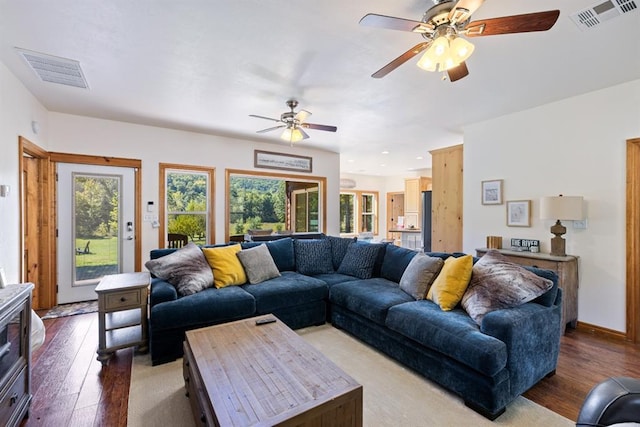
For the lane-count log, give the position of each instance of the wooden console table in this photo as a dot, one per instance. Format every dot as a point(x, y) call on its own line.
point(122, 313)
point(566, 267)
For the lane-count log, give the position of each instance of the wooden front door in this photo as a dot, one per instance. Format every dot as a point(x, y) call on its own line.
point(395, 208)
point(32, 225)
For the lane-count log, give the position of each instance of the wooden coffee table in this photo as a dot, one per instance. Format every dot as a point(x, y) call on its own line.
point(243, 374)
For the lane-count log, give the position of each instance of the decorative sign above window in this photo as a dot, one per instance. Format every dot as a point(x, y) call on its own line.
point(289, 162)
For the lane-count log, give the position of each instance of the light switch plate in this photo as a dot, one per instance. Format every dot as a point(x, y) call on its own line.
point(580, 224)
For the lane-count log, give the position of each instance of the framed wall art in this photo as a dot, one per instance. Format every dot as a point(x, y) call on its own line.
point(288, 162)
point(519, 213)
point(492, 192)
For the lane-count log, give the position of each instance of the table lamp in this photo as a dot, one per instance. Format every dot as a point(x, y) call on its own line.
point(560, 208)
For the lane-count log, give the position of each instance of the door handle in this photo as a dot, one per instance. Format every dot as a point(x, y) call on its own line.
point(129, 237)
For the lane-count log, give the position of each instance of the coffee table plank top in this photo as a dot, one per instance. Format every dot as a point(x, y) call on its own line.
point(262, 374)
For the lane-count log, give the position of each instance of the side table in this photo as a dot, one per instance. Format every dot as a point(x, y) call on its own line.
point(566, 267)
point(122, 313)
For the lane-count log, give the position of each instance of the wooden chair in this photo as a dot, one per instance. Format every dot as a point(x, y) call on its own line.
point(177, 241)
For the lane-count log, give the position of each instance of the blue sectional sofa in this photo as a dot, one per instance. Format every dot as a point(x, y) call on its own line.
point(487, 364)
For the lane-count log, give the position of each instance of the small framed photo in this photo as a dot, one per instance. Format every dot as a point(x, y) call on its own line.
point(492, 192)
point(519, 213)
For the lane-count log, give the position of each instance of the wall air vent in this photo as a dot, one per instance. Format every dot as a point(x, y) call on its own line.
point(597, 14)
point(54, 69)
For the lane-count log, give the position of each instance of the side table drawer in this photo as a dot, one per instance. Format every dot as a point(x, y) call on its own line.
point(13, 398)
point(118, 300)
point(538, 263)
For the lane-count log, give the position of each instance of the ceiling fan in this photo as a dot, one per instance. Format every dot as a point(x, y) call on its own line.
point(293, 122)
point(442, 27)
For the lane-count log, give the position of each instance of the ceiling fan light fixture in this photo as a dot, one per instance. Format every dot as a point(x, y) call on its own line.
point(444, 54)
point(292, 134)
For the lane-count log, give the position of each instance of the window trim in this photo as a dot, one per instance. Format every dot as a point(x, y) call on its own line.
point(320, 180)
point(163, 168)
point(357, 213)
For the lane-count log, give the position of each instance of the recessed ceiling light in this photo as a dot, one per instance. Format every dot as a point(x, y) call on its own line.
point(385, 152)
point(382, 165)
point(350, 160)
point(419, 158)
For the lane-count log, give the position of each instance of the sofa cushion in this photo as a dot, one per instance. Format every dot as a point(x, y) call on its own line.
point(288, 290)
point(370, 298)
point(359, 260)
point(335, 278)
point(208, 307)
point(281, 251)
point(186, 269)
point(227, 269)
point(452, 281)
point(419, 275)
point(452, 333)
point(339, 246)
point(497, 283)
point(258, 264)
point(313, 256)
point(396, 260)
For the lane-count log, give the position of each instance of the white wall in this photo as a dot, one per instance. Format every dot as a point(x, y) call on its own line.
point(153, 145)
point(18, 108)
point(574, 147)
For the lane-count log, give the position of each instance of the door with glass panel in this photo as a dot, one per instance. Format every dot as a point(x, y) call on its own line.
point(96, 227)
point(306, 210)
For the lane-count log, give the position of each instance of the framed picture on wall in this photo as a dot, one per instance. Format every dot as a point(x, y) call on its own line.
point(519, 213)
point(492, 192)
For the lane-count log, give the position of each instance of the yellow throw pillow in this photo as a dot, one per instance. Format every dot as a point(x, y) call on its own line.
point(227, 268)
point(449, 287)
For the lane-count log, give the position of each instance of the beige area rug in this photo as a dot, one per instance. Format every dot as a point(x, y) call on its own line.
point(393, 395)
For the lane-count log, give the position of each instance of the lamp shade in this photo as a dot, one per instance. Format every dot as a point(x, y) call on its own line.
point(561, 207)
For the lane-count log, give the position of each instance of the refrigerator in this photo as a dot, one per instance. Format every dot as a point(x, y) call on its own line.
point(426, 221)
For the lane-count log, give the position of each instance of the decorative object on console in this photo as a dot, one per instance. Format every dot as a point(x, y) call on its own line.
point(494, 242)
point(525, 245)
point(4, 190)
point(559, 208)
point(519, 213)
point(492, 192)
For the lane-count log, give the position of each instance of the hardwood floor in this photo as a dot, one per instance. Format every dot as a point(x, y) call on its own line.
point(71, 389)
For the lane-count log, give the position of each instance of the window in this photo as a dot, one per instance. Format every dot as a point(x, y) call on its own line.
point(186, 194)
point(359, 212)
point(272, 201)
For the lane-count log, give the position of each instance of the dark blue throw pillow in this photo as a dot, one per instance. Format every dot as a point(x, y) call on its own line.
point(396, 260)
point(339, 246)
point(359, 260)
point(313, 256)
point(281, 251)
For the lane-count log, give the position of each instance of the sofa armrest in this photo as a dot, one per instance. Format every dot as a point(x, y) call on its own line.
point(161, 291)
point(531, 333)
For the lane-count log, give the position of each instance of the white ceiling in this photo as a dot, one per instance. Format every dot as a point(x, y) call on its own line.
point(205, 65)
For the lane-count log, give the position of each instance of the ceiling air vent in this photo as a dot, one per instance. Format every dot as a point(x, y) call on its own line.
point(595, 15)
point(54, 69)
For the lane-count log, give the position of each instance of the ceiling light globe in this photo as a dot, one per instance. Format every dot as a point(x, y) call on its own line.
point(461, 49)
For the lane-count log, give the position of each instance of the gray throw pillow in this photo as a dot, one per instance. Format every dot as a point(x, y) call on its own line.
point(187, 269)
point(359, 260)
point(258, 264)
point(420, 274)
point(497, 283)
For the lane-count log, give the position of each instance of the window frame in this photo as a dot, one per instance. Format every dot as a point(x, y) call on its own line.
point(359, 215)
point(165, 168)
point(321, 182)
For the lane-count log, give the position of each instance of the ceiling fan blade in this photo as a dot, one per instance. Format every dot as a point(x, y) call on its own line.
point(302, 115)
point(528, 22)
point(304, 134)
point(463, 10)
point(263, 117)
point(458, 72)
point(319, 127)
point(400, 60)
point(393, 23)
point(270, 129)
